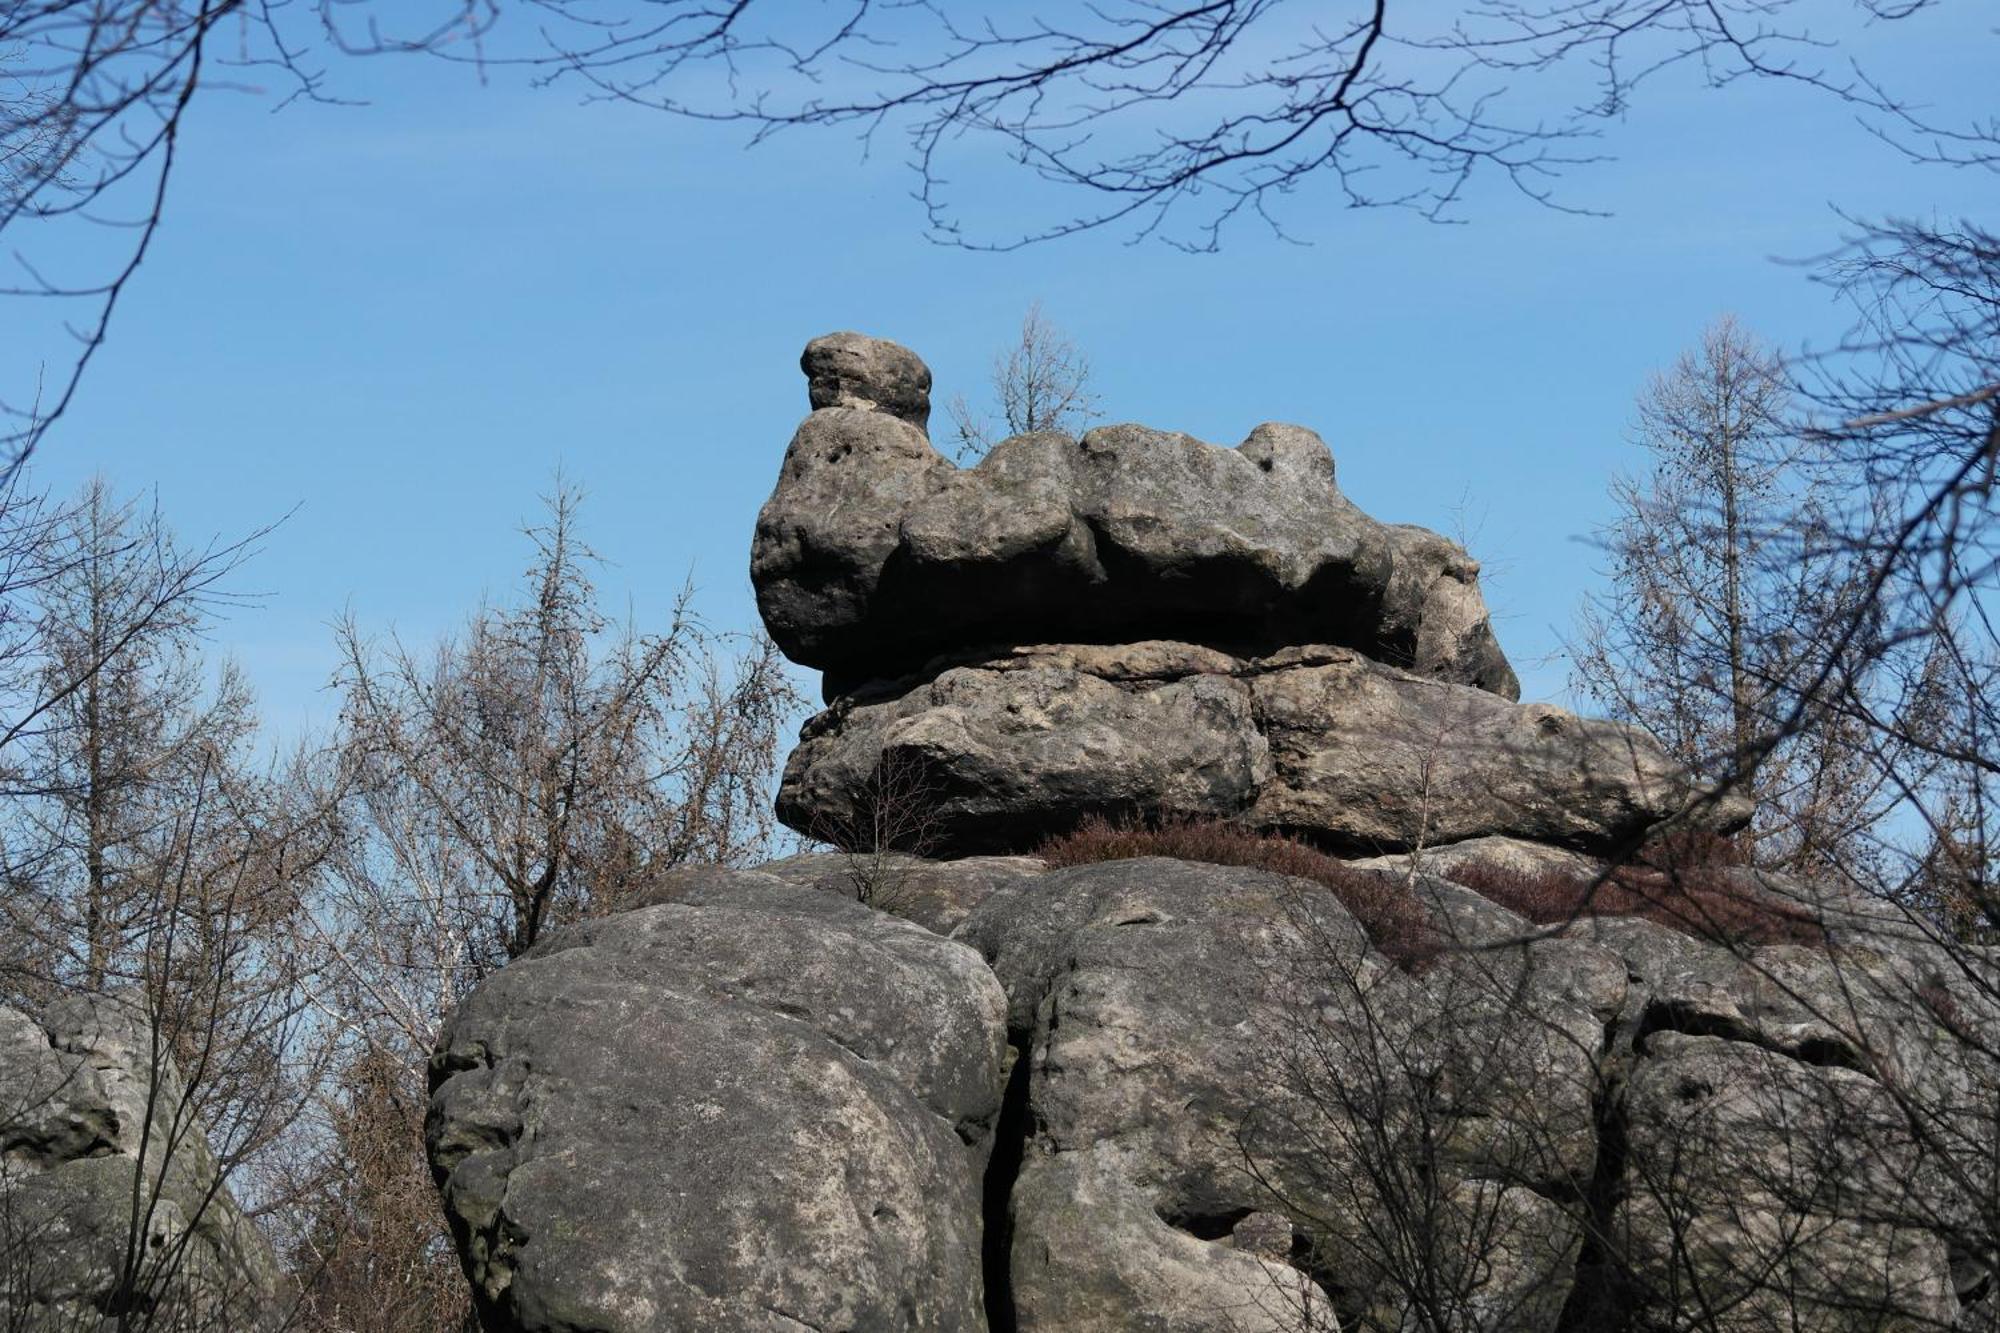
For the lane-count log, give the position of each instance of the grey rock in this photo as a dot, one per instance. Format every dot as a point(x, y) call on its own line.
point(1369, 755)
point(81, 1164)
point(1092, 1255)
point(818, 557)
point(1210, 1043)
point(875, 554)
point(937, 895)
point(1266, 1235)
point(1772, 1172)
point(1319, 740)
point(1515, 855)
point(751, 1106)
point(1769, 1191)
point(759, 1103)
point(855, 370)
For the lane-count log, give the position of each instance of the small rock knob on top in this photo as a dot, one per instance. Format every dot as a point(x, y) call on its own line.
point(855, 370)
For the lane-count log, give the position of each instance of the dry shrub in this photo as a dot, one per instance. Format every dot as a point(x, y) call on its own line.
point(1949, 1013)
point(1681, 881)
point(375, 1255)
point(1705, 901)
point(1396, 923)
point(1693, 850)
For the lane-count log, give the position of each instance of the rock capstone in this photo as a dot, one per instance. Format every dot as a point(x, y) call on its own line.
point(855, 370)
point(875, 553)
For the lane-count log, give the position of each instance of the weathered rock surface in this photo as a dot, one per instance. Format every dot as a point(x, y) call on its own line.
point(1227, 1111)
point(1199, 1057)
point(875, 553)
point(80, 1162)
point(1321, 740)
point(1782, 1185)
point(1514, 855)
point(866, 1090)
point(855, 370)
point(937, 895)
point(751, 1106)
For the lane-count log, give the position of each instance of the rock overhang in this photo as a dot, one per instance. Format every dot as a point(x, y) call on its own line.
point(876, 554)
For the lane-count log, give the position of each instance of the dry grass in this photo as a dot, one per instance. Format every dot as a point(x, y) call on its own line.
point(1680, 882)
point(1396, 924)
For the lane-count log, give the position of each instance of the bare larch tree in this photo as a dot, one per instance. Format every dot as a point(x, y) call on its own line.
point(1041, 382)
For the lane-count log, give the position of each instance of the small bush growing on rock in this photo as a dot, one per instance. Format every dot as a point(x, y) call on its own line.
point(1684, 883)
point(1693, 850)
point(1396, 924)
point(1703, 901)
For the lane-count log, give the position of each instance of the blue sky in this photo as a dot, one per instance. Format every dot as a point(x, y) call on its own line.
point(396, 320)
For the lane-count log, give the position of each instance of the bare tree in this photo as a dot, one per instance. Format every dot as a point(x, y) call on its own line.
point(1723, 569)
point(155, 876)
point(1042, 382)
point(546, 763)
point(136, 810)
point(372, 1254)
point(1909, 412)
point(1437, 1119)
point(132, 726)
point(537, 768)
point(883, 846)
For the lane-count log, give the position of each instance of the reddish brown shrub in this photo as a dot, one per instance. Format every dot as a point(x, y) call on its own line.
point(1948, 1012)
point(1681, 882)
point(1689, 850)
point(1704, 902)
point(1396, 924)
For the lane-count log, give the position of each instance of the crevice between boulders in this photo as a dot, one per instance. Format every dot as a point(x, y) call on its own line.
point(1596, 1294)
point(1600, 1294)
point(1003, 1167)
point(1240, 655)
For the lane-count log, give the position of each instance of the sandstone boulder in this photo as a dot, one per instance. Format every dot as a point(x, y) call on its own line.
point(1319, 740)
point(1210, 1045)
point(875, 553)
point(751, 1106)
point(1512, 855)
point(759, 1103)
point(855, 370)
point(1777, 1189)
point(937, 895)
point(98, 1149)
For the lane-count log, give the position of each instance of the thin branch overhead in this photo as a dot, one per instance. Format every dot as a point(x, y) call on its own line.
point(1165, 121)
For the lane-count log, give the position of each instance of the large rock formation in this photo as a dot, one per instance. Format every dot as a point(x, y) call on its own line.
point(1137, 622)
point(760, 1105)
point(111, 1211)
point(754, 1106)
point(1002, 752)
point(876, 553)
point(863, 1089)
